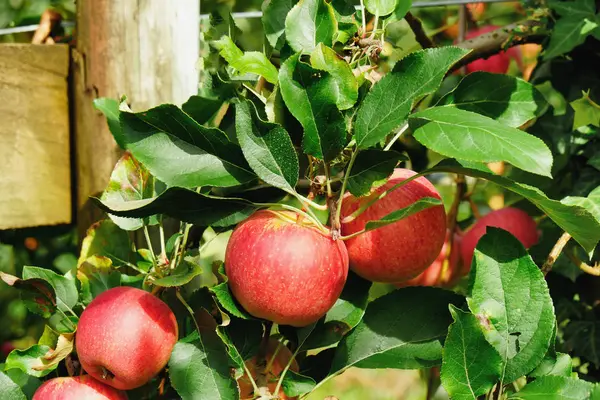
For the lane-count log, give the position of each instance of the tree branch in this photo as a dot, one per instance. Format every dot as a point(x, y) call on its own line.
point(555, 252)
point(417, 28)
point(493, 42)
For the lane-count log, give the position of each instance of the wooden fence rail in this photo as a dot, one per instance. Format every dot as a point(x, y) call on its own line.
point(145, 49)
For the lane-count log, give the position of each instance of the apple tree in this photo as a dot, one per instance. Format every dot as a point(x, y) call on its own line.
point(317, 206)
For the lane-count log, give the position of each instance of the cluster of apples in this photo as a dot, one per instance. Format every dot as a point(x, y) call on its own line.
point(124, 338)
point(283, 269)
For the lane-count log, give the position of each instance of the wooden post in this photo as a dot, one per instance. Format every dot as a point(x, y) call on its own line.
point(35, 178)
point(144, 49)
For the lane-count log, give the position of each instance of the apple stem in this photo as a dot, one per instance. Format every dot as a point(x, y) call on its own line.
point(375, 24)
point(397, 136)
point(344, 184)
point(459, 194)
point(163, 251)
point(364, 18)
point(261, 362)
point(149, 242)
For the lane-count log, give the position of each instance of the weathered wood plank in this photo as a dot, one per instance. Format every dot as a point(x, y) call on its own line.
point(145, 49)
point(35, 177)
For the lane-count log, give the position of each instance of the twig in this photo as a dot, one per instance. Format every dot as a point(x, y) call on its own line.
point(500, 39)
point(588, 269)
point(462, 29)
point(417, 28)
point(555, 252)
point(50, 22)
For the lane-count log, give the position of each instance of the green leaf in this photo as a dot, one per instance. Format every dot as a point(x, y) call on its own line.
point(37, 294)
point(470, 365)
point(571, 30)
point(227, 301)
point(509, 100)
point(371, 169)
point(387, 105)
point(469, 136)
point(587, 112)
point(590, 203)
point(575, 220)
point(129, 181)
point(96, 275)
point(110, 109)
point(583, 338)
point(49, 337)
point(381, 7)
point(345, 84)
point(400, 11)
point(555, 388)
point(185, 205)
point(28, 384)
point(419, 205)
point(574, 9)
point(184, 273)
point(9, 390)
point(65, 289)
point(309, 23)
point(561, 364)
point(40, 360)
point(243, 335)
point(273, 19)
point(510, 298)
point(403, 329)
point(199, 368)
point(345, 314)
point(310, 95)
point(295, 384)
point(252, 62)
point(267, 147)
point(180, 152)
point(202, 109)
point(106, 239)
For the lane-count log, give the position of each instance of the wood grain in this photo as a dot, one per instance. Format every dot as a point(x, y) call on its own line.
point(144, 49)
point(35, 178)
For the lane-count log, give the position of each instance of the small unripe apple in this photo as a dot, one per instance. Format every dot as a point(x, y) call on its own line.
point(513, 220)
point(435, 275)
point(497, 63)
point(125, 337)
point(283, 269)
point(78, 387)
point(403, 249)
point(282, 355)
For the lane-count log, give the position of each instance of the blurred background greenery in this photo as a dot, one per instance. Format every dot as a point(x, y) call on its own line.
point(57, 247)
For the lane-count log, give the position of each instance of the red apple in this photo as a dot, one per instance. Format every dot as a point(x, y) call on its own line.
point(402, 250)
point(498, 63)
point(125, 337)
point(284, 269)
point(78, 387)
point(434, 274)
point(282, 356)
point(6, 348)
point(513, 220)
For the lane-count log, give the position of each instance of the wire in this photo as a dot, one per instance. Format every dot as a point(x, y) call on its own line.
point(258, 14)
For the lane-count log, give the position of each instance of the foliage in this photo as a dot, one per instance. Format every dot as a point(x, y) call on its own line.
point(322, 111)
